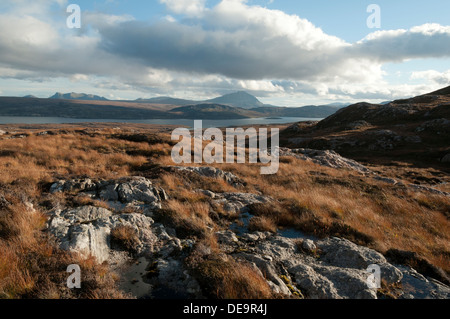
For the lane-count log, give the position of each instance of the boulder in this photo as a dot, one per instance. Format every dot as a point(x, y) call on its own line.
point(227, 237)
point(137, 189)
point(125, 190)
point(316, 285)
point(73, 185)
point(237, 203)
point(268, 269)
point(308, 245)
point(325, 158)
point(345, 254)
point(213, 172)
point(87, 230)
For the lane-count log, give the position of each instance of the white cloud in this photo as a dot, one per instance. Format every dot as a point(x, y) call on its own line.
point(425, 41)
point(191, 8)
point(441, 78)
point(232, 46)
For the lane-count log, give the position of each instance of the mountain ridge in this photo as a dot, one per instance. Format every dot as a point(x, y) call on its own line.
point(414, 130)
point(78, 96)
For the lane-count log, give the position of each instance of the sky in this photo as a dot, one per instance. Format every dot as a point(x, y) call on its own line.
point(287, 53)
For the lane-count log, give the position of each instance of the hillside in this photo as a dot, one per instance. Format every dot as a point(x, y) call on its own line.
point(109, 198)
point(166, 100)
point(406, 132)
point(146, 109)
point(310, 111)
point(33, 107)
point(213, 111)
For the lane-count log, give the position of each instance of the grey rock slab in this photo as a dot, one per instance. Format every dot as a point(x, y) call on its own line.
point(138, 189)
point(87, 230)
point(343, 253)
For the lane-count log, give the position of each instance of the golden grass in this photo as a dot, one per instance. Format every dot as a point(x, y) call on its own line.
point(37, 158)
point(32, 267)
point(30, 264)
point(126, 237)
point(262, 223)
point(344, 204)
point(308, 197)
point(225, 278)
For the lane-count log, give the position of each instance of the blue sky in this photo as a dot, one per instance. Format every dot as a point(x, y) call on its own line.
point(285, 52)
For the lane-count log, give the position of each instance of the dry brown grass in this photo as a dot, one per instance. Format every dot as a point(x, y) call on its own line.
point(32, 267)
point(125, 237)
point(325, 201)
point(189, 219)
point(30, 264)
point(38, 158)
point(308, 197)
point(262, 223)
point(223, 277)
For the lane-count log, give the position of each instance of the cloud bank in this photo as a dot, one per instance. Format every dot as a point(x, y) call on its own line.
point(230, 46)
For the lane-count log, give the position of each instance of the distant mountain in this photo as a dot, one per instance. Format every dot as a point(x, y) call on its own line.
point(167, 100)
point(78, 96)
point(239, 99)
point(30, 97)
point(213, 111)
point(309, 111)
point(414, 130)
point(247, 101)
point(80, 105)
point(338, 104)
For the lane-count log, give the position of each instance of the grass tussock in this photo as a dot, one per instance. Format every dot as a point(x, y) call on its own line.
point(189, 219)
point(222, 277)
point(308, 197)
point(125, 237)
point(31, 266)
point(329, 202)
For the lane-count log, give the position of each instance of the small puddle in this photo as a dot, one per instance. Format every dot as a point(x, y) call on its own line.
point(293, 233)
point(240, 227)
point(132, 282)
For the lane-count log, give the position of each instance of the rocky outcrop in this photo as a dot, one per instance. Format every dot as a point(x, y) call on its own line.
point(213, 172)
point(307, 268)
point(236, 203)
point(330, 268)
point(427, 189)
point(123, 191)
point(87, 230)
point(358, 125)
point(325, 158)
point(438, 126)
